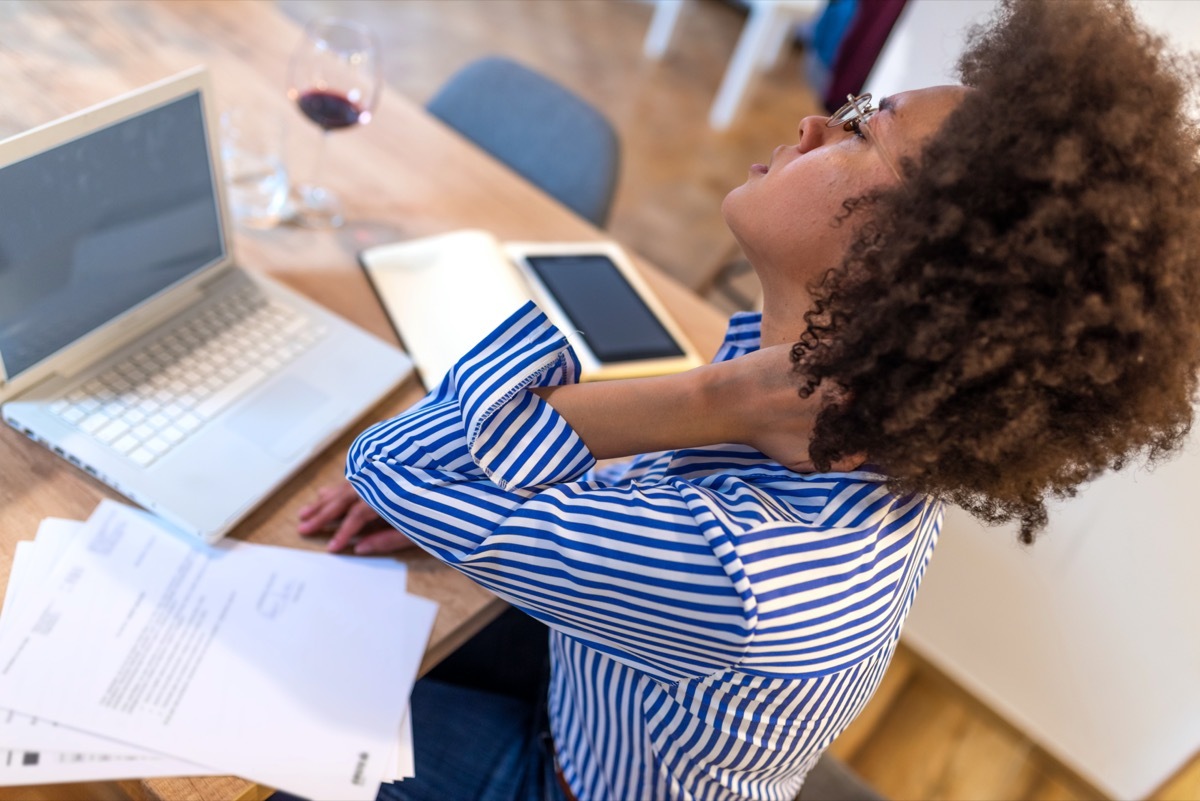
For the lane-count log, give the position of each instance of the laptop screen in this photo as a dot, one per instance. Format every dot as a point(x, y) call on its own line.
point(95, 226)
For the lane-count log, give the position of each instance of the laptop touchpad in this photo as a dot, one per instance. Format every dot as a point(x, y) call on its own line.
point(280, 418)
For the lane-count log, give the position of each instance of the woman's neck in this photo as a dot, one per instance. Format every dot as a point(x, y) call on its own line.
point(783, 316)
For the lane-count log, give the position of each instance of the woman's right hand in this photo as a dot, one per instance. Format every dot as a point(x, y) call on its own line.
point(339, 508)
point(763, 388)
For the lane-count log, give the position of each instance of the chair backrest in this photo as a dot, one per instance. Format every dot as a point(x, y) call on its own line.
point(553, 138)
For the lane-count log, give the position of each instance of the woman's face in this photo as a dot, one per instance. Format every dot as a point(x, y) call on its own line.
point(783, 216)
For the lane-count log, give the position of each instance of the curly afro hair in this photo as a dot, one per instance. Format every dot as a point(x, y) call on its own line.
point(1023, 312)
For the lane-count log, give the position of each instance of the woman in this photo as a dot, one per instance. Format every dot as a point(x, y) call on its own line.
point(985, 295)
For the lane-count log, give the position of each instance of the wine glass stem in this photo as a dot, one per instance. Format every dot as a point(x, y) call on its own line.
point(319, 163)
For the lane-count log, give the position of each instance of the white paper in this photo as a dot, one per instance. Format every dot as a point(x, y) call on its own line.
point(33, 561)
point(21, 732)
point(37, 751)
point(403, 766)
point(400, 764)
point(236, 656)
point(21, 556)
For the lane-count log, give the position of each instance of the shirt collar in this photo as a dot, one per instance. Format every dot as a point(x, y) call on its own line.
point(744, 335)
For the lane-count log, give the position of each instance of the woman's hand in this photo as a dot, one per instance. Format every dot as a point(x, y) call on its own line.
point(338, 507)
point(763, 390)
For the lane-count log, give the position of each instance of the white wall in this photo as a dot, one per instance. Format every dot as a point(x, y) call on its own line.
point(929, 37)
point(1090, 640)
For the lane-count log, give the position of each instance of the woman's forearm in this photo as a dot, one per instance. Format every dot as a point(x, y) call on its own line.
point(751, 400)
point(643, 415)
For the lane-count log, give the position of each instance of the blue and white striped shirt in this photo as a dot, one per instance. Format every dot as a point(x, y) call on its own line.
point(716, 619)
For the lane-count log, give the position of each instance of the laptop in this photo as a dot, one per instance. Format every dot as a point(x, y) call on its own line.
point(132, 344)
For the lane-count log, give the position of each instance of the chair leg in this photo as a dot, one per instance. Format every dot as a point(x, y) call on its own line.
point(777, 39)
point(758, 48)
point(736, 297)
point(731, 253)
point(662, 25)
point(742, 66)
point(731, 264)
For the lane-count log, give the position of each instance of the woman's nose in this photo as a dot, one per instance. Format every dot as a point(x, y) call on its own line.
point(813, 132)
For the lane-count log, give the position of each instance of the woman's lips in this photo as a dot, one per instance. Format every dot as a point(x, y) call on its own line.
point(763, 169)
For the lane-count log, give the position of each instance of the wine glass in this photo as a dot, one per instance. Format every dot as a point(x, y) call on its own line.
point(334, 78)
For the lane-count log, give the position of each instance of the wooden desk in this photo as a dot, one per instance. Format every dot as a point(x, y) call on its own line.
point(405, 175)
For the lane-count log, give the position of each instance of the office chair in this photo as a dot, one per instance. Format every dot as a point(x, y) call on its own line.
point(551, 137)
point(831, 780)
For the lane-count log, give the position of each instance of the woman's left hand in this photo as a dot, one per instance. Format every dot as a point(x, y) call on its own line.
point(339, 508)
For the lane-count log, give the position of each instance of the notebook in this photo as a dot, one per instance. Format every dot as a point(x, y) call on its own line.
point(444, 293)
point(132, 344)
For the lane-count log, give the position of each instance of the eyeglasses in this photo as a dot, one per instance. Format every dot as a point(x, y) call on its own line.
point(854, 116)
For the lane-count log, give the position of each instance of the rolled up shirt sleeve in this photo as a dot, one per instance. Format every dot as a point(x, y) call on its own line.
point(490, 479)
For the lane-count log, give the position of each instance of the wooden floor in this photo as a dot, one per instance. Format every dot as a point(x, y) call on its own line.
point(921, 737)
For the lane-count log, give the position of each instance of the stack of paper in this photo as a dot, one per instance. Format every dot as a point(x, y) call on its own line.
point(155, 655)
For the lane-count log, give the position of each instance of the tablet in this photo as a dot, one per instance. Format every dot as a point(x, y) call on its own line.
point(595, 296)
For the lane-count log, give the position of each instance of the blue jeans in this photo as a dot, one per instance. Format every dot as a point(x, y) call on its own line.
point(480, 731)
point(472, 745)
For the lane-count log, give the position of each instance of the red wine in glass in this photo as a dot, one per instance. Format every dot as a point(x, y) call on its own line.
point(334, 78)
point(331, 110)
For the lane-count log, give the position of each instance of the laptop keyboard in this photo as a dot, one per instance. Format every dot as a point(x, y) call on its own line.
point(153, 400)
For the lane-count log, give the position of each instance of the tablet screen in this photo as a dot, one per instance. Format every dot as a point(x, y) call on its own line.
point(616, 324)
